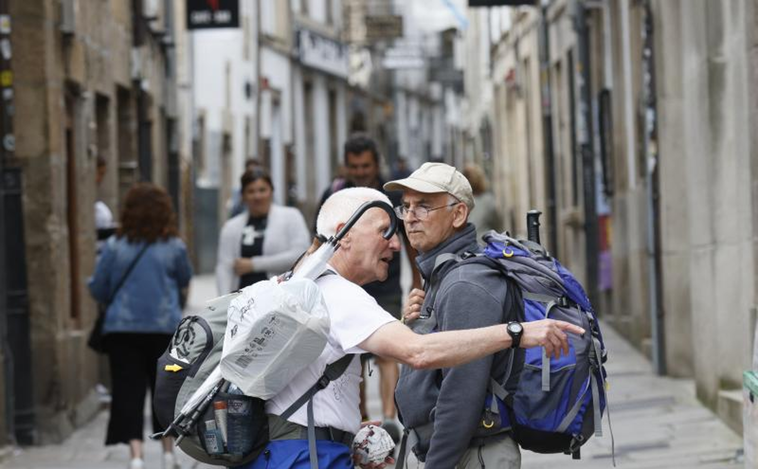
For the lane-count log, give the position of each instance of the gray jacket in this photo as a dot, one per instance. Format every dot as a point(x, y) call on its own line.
point(470, 296)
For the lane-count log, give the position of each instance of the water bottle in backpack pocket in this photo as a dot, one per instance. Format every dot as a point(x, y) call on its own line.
point(233, 426)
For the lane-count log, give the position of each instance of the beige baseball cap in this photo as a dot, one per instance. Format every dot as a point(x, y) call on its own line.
point(432, 178)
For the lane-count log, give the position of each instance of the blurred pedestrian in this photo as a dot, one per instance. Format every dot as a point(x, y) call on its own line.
point(263, 241)
point(484, 215)
point(104, 224)
point(140, 275)
point(235, 204)
point(401, 169)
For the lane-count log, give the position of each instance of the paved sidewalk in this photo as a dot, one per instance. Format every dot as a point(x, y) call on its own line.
point(657, 423)
point(85, 448)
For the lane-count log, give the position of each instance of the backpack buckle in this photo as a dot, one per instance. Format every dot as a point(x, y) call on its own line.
point(323, 382)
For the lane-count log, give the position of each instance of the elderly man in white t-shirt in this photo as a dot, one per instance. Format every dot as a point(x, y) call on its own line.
point(360, 325)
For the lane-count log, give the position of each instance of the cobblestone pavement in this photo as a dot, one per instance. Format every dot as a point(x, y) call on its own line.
point(657, 423)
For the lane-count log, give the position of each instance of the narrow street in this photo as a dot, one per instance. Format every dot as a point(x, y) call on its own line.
point(657, 423)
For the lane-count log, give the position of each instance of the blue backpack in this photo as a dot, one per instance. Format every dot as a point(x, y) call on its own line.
point(558, 403)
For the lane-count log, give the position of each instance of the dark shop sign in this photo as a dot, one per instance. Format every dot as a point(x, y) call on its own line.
point(500, 3)
point(207, 14)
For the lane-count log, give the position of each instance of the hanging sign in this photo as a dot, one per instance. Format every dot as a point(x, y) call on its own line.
point(208, 14)
point(383, 27)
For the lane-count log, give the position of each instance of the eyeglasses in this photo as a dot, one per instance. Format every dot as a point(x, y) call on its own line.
point(419, 212)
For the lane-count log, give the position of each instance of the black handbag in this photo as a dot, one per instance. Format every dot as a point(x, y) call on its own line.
point(96, 340)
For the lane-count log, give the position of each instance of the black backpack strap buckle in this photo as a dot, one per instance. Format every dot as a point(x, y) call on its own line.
point(323, 382)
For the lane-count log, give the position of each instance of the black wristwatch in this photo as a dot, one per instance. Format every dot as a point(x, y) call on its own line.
point(515, 330)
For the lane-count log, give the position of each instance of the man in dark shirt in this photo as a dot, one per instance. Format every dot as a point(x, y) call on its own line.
point(361, 159)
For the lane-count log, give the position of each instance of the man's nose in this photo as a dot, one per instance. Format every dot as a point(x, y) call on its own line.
point(395, 243)
point(410, 213)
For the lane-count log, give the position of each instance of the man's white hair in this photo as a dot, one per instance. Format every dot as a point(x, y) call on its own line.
point(341, 205)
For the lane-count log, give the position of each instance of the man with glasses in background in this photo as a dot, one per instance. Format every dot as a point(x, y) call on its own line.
point(443, 408)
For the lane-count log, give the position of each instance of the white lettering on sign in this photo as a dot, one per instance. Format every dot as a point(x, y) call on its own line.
point(201, 17)
point(222, 16)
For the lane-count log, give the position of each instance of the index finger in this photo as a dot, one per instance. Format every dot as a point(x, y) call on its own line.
point(568, 327)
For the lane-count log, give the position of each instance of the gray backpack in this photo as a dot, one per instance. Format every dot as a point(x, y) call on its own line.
point(192, 355)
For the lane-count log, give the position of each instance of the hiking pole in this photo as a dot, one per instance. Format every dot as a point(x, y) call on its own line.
point(181, 426)
point(186, 428)
point(315, 264)
point(533, 225)
point(359, 213)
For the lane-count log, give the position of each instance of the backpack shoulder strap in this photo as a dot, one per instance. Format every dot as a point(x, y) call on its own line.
point(332, 372)
point(436, 276)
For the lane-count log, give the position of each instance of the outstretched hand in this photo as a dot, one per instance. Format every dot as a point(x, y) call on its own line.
point(549, 333)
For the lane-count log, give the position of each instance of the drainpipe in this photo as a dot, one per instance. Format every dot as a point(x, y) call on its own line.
point(547, 131)
point(626, 66)
point(650, 147)
point(7, 352)
point(15, 324)
point(586, 140)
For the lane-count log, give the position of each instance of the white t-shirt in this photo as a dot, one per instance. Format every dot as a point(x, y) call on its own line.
point(103, 219)
point(354, 316)
point(103, 215)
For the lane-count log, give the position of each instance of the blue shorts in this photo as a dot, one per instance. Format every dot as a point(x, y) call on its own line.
point(294, 454)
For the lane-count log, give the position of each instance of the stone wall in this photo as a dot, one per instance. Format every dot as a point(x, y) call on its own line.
point(67, 112)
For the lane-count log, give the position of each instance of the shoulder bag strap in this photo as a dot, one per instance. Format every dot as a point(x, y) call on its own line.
point(128, 271)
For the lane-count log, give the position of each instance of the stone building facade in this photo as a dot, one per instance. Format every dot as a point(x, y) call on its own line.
point(91, 79)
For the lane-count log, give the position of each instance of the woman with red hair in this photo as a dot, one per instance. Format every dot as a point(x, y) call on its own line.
point(140, 275)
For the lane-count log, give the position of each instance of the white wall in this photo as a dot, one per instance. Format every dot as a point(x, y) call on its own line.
point(276, 121)
point(216, 94)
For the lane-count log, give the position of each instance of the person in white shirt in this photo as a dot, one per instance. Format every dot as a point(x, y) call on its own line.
point(104, 224)
point(263, 241)
point(360, 325)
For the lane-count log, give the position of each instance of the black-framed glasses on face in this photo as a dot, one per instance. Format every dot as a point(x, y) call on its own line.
point(419, 212)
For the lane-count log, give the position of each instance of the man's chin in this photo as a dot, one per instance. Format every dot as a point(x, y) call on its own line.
point(415, 241)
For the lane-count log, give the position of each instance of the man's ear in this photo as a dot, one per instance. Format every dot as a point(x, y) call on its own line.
point(460, 215)
point(345, 242)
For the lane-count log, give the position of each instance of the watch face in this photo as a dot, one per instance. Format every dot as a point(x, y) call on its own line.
point(515, 328)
